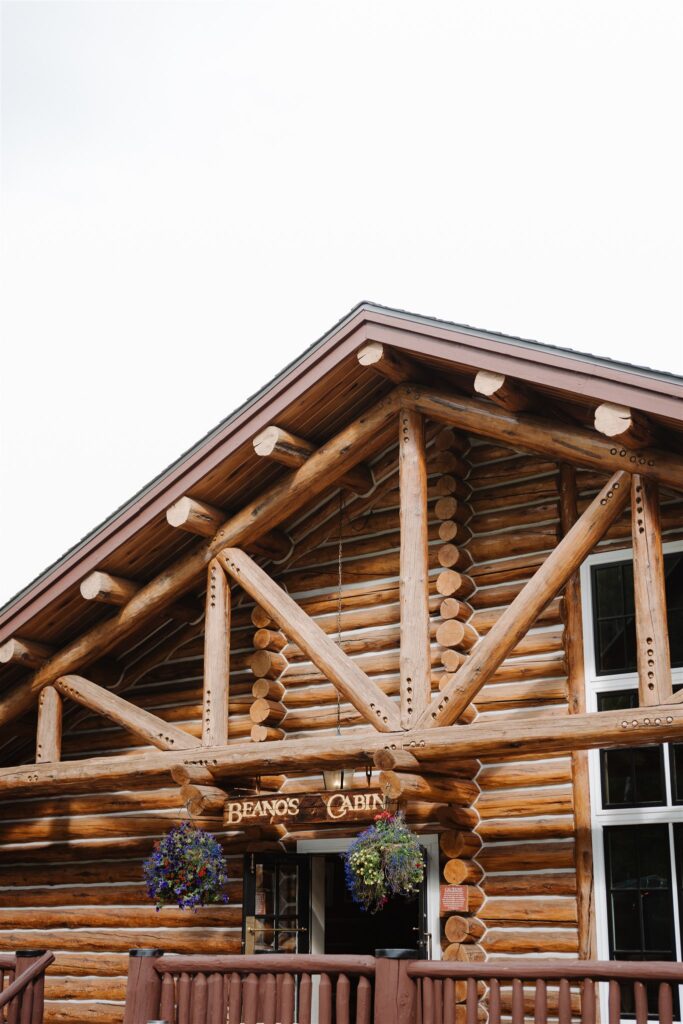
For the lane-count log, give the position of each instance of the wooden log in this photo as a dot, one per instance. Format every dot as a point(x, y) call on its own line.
point(451, 661)
point(624, 425)
point(269, 640)
point(290, 450)
point(267, 712)
point(450, 583)
point(448, 439)
point(28, 653)
point(530, 940)
point(261, 733)
point(463, 929)
point(532, 773)
point(202, 801)
point(450, 509)
point(395, 759)
point(387, 361)
point(108, 589)
point(450, 531)
point(543, 436)
point(216, 693)
point(543, 910)
point(415, 664)
point(504, 830)
point(49, 734)
point(401, 786)
point(450, 556)
point(260, 617)
point(652, 633)
point(195, 516)
point(453, 633)
point(576, 685)
point(267, 664)
point(543, 587)
point(453, 608)
point(548, 883)
point(191, 774)
point(350, 680)
point(138, 721)
point(460, 872)
point(493, 740)
point(458, 843)
point(500, 389)
point(356, 441)
point(270, 689)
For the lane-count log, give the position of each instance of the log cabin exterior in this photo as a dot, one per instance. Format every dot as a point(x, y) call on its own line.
point(445, 563)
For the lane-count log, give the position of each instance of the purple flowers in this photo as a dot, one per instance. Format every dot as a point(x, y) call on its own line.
point(382, 862)
point(186, 869)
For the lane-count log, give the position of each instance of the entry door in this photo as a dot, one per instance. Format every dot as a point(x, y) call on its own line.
point(276, 903)
point(348, 929)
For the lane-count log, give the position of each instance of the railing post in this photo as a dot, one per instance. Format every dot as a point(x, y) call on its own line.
point(143, 988)
point(395, 991)
point(22, 1007)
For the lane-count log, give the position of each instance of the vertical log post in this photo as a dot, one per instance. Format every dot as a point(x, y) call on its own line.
point(652, 633)
point(216, 657)
point(143, 989)
point(576, 693)
point(49, 733)
point(395, 991)
point(415, 659)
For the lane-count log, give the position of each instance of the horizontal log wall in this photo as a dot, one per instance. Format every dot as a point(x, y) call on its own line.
point(70, 867)
point(526, 806)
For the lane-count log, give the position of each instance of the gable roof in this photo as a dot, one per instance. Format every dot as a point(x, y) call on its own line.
point(314, 396)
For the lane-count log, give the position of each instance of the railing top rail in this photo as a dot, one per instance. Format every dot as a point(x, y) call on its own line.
point(266, 963)
point(596, 970)
point(20, 983)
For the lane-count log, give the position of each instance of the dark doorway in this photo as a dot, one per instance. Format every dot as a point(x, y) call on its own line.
point(348, 929)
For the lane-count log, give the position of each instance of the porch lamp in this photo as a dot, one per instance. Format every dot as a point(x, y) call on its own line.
point(333, 778)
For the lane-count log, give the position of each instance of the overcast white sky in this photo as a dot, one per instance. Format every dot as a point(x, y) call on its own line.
point(193, 192)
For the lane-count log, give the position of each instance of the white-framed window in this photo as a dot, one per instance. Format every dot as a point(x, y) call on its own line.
point(637, 793)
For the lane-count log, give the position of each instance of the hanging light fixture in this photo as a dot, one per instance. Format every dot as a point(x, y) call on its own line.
point(334, 777)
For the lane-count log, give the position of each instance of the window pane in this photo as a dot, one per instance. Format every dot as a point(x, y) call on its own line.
point(614, 622)
point(631, 776)
point(673, 569)
point(640, 900)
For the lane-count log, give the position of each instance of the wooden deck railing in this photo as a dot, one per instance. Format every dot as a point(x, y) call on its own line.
point(22, 986)
point(309, 989)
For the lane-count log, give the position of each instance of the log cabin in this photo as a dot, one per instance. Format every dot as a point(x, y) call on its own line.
point(426, 567)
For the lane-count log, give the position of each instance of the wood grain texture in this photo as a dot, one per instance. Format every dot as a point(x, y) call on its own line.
point(415, 664)
point(216, 693)
point(652, 632)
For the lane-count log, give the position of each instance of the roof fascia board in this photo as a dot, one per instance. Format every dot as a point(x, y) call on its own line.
point(637, 390)
point(365, 322)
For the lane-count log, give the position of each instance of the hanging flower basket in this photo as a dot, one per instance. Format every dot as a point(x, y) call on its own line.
point(384, 861)
point(187, 869)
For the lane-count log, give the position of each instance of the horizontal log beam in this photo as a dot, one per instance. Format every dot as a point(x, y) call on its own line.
point(624, 425)
point(388, 361)
point(353, 684)
point(138, 721)
point(518, 617)
point(203, 520)
point(541, 435)
point(516, 736)
point(24, 652)
point(107, 589)
point(361, 438)
point(288, 449)
point(501, 390)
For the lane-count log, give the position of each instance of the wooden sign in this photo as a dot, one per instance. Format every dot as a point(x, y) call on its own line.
point(356, 805)
point(453, 898)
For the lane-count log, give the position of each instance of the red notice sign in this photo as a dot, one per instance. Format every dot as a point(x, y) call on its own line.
point(453, 899)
